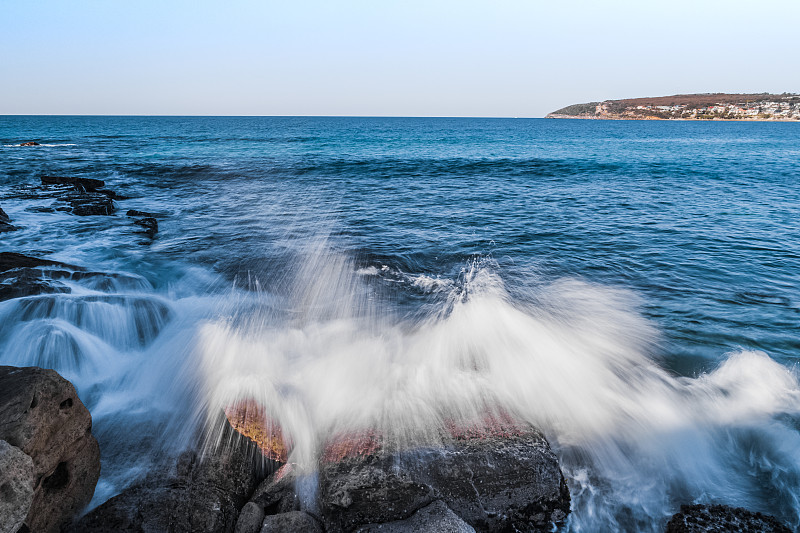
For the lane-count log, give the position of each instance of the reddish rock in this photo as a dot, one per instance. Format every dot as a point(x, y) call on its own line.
point(252, 421)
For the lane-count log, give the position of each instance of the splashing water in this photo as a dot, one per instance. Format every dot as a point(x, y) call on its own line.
point(574, 359)
point(324, 354)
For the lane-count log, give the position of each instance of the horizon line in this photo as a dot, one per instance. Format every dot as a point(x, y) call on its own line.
point(263, 116)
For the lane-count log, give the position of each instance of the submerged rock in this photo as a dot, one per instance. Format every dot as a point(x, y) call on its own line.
point(84, 184)
point(10, 260)
point(17, 482)
point(135, 213)
point(22, 275)
point(22, 282)
point(89, 204)
point(41, 414)
point(722, 519)
point(149, 224)
point(5, 222)
point(200, 493)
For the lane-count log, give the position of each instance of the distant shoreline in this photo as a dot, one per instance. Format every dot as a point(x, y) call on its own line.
point(763, 107)
point(631, 119)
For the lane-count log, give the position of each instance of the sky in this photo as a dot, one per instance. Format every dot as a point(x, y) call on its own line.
point(504, 58)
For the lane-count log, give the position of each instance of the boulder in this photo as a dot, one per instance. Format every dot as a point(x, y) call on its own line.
point(82, 184)
point(293, 521)
point(250, 519)
point(149, 224)
point(30, 143)
point(494, 481)
point(435, 518)
point(201, 492)
point(41, 414)
point(276, 494)
point(722, 519)
point(17, 482)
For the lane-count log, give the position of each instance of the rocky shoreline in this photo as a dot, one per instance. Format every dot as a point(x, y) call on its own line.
point(497, 475)
point(484, 481)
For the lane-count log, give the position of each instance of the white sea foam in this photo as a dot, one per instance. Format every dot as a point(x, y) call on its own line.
point(576, 360)
point(325, 357)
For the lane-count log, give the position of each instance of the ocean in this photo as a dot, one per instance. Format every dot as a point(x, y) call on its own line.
point(630, 287)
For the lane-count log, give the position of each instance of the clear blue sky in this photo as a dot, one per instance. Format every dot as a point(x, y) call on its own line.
point(384, 57)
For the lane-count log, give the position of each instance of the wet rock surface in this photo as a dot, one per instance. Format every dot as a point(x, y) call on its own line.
point(293, 521)
point(10, 260)
point(41, 414)
point(199, 493)
point(149, 224)
point(22, 275)
point(250, 519)
point(722, 519)
point(493, 482)
point(435, 518)
point(17, 482)
point(507, 480)
point(30, 143)
point(81, 184)
point(5, 222)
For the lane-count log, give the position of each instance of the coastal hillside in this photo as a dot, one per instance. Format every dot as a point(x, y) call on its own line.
point(710, 106)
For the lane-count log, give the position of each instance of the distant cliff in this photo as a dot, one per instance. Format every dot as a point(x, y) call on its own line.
point(712, 106)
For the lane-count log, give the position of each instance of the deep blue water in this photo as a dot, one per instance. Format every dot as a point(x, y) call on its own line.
point(696, 222)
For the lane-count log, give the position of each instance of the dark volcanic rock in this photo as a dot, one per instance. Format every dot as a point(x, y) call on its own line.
point(435, 518)
point(359, 491)
point(276, 494)
point(200, 494)
point(498, 483)
point(250, 519)
point(135, 213)
point(30, 143)
point(493, 482)
point(149, 224)
point(83, 184)
point(9, 260)
point(41, 414)
point(22, 282)
point(113, 195)
point(90, 203)
point(293, 521)
point(722, 519)
point(5, 222)
point(16, 487)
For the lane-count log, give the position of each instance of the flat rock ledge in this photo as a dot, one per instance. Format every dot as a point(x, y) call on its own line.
point(722, 519)
point(42, 417)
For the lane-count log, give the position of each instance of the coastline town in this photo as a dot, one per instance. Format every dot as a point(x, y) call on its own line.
point(785, 107)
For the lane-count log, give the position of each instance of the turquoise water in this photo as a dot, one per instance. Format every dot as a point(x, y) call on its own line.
point(631, 287)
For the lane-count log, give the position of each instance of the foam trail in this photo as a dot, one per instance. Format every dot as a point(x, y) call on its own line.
point(575, 359)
